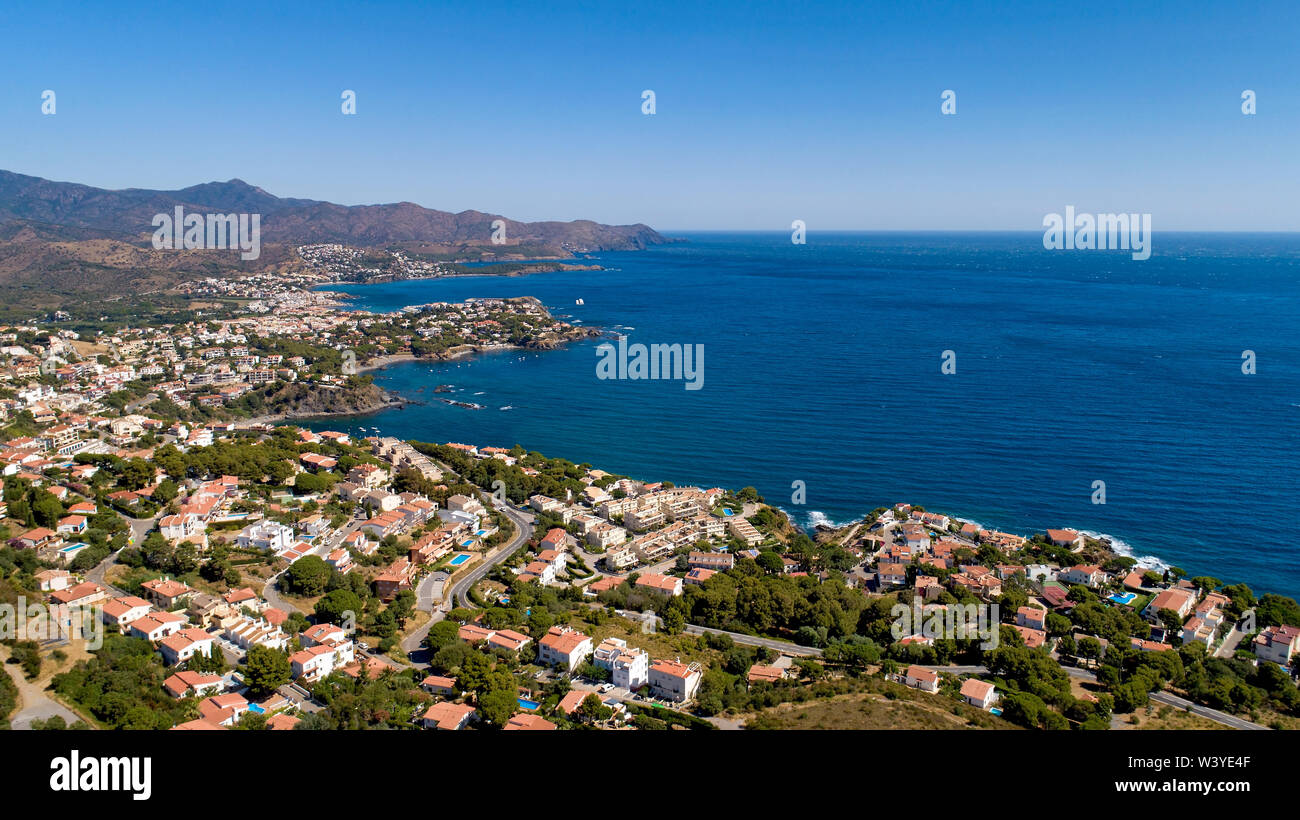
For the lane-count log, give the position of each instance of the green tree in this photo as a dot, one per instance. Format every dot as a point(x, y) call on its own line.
point(335, 606)
point(498, 705)
point(265, 670)
point(593, 710)
point(308, 575)
point(441, 634)
point(46, 509)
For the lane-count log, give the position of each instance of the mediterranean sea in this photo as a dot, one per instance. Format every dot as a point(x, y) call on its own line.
point(822, 365)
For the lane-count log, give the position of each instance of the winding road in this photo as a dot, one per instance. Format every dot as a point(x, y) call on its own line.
point(458, 594)
point(1223, 718)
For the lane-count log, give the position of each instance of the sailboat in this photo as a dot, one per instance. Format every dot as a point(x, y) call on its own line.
point(579, 302)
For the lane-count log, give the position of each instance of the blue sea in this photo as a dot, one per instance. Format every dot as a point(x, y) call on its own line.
point(822, 365)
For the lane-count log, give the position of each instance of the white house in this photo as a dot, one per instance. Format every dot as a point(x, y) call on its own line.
point(1086, 574)
point(918, 677)
point(978, 693)
point(159, 625)
point(1277, 644)
point(629, 667)
point(122, 612)
point(271, 536)
point(564, 647)
point(185, 644)
point(675, 681)
point(317, 662)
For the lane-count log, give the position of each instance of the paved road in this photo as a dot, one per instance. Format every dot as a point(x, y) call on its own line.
point(140, 527)
point(1170, 699)
point(321, 549)
point(429, 592)
point(148, 399)
point(1166, 698)
point(272, 596)
point(1206, 712)
point(739, 637)
point(1229, 645)
point(523, 531)
point(458, 594)
point(750, 640)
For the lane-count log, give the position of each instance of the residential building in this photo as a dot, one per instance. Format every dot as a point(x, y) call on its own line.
point(674, 680)
point(918, 677)
point(564, 647)
point(978, 693)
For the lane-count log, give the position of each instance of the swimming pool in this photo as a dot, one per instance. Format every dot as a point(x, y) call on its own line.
point(253, 707)
point(530, 705)
point(459, 559)
point(1124, 598)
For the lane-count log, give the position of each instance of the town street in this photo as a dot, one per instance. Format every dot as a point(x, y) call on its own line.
point(459, 592)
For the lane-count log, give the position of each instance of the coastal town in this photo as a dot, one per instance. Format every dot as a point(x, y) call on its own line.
point(285, 350)
point(269, 570)
point(254, 574)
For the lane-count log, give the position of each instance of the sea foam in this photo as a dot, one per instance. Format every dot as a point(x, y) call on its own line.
point(1121, 547)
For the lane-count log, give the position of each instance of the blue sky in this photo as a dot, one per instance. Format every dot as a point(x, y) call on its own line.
point(766, 111)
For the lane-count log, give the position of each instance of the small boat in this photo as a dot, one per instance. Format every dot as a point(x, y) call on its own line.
point(579, 302)
point(508, 407)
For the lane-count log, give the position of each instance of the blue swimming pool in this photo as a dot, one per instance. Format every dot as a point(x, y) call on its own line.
point(531, 705)
point(253, 707)
point(1124, 598)
point(459, 559)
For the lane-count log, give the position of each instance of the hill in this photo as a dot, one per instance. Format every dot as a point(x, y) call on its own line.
point(73, 211)
point(63, 244)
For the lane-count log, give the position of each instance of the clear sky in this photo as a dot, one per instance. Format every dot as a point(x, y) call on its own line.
point(766, 111)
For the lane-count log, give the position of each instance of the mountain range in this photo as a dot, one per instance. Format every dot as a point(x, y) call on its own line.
point(71, 211)
point(62, 243)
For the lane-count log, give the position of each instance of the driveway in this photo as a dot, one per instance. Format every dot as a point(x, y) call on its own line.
point(33, 702)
